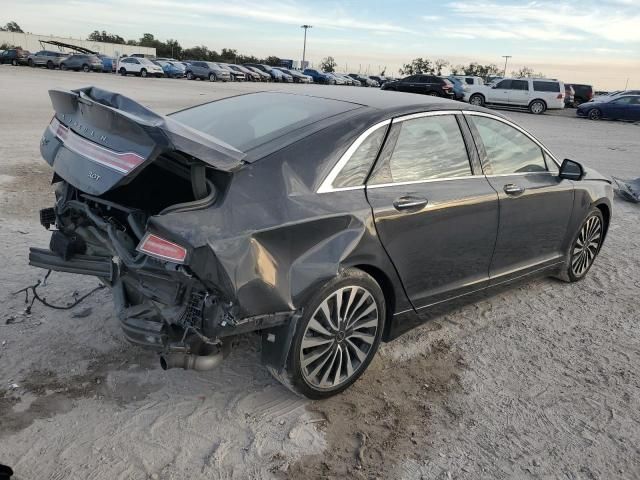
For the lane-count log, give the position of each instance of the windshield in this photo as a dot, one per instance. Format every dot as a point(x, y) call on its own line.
point(247, 121)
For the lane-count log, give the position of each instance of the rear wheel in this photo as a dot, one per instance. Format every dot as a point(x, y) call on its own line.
point(123, 72)
point(86, 68)
point(433, 94)
point(537, 107)
point(212, 77)
point(337, 337)
point(50, 65)
point(30, 62)
point(189, 76)
point(63, 66)
point(143, 73)
point(14, 62)
point(477, 100)
point(595, 114)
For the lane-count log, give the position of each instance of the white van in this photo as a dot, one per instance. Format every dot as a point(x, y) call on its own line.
point(535, 94)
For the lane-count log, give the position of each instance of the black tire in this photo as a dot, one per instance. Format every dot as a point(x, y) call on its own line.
point(63, 66)
point(190, 76)
point(343, 345)
point(14, 62)
point(143, 73)
point(123, 71)
point(86, 68)
point(593, 226)
point(50, 65)
point(594, 114)
point(477, 100)
point(30, 63)
point(433, 94)
point(212, 77)
point(537, 107)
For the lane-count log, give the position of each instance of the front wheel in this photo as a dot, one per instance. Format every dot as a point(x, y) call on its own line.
point(477, 100)
point(50, 65)
point(63, 66)
point(123, 72)
point(14, 62)
point(86, 68)
point(537, 107)
point(143, 73)
point(595, 114)
point(433, 94)
point(31, 64)
point(189, 76)
point(585, 247)
point(337, 337)
point(212, 77)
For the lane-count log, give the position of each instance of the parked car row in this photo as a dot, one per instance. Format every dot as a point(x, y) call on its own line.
point(624, 105)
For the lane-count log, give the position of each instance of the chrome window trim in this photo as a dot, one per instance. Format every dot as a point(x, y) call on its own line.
point(428, 180)
point(436, 113)
point(327, 184)
point(520, 129)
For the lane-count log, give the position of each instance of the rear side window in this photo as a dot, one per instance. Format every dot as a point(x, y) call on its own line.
point(246, 121)
point(504, 84)
point(469, 81)
point(354, 173)
point(507, 149)
point(519, 85)
point(425, 148)
point(546, 86)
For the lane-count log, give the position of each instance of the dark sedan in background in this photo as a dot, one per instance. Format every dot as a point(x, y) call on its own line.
point(424, 84)
point(619, 107)
point(325, 220)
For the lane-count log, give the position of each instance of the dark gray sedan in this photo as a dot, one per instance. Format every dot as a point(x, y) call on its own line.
point(328, 221)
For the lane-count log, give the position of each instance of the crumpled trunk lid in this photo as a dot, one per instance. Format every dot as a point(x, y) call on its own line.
point(99, 140)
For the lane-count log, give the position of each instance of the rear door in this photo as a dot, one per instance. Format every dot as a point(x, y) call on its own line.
point(620, 108)
point(434, 211)
point(535, 204)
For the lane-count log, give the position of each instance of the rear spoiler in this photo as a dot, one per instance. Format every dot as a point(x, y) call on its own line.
point(108, 118)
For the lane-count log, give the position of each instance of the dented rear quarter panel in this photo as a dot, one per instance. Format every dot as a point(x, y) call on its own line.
point(274, 239)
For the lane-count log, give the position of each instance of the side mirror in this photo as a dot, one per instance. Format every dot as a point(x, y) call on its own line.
point(571, 170)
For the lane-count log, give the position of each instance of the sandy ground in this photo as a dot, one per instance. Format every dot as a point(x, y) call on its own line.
point(540, 381)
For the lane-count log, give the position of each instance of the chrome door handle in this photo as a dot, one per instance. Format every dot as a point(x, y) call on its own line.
point(511, 189)
point(410, 203)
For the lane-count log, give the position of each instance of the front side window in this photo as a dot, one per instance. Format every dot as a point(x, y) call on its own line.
point(425, 148)
point(354, 173)
point(507, 149)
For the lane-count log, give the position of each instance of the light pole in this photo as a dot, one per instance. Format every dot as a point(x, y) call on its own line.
point(506, 59)
point(304, 45)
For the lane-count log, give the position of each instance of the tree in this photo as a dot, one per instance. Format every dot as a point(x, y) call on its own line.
point(527, 72)
point(439, 64)
point(328, 64)
point(417, 65)
point(6, 46)
point(11, 27)
point(106, 37)
point(476, 70)
point(273, 61)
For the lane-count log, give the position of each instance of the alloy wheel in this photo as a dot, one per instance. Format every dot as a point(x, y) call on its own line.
point(594, 114)
point(476, 100)
point(537, 108)
point(339, 337)
point(586, 246)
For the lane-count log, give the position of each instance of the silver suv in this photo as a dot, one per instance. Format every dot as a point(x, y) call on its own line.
point(535, 94)
point(46, 58)
point(206, 71)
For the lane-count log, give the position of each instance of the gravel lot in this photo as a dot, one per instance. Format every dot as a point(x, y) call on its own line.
point(540, 381)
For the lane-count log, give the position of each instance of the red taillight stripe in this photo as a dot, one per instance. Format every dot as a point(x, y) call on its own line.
point(124, 162)
point(159, 247)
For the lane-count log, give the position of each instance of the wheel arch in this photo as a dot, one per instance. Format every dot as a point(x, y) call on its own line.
point(388, 292)
point(546, 105)
point(605, 209)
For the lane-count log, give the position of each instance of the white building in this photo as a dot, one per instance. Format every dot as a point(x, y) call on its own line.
point(31, 42)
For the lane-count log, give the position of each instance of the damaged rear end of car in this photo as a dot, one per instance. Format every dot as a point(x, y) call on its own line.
point(118, 168)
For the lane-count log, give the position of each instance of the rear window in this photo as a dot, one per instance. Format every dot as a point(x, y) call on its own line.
point(546, 86)
point(247, 121)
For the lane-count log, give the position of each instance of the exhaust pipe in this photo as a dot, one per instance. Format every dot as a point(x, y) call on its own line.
point(192, 361)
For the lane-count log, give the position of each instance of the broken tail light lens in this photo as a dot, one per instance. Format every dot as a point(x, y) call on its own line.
point(123, 162)
point(158, 247)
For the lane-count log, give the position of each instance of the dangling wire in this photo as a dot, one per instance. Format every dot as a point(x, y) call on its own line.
point(35, 296)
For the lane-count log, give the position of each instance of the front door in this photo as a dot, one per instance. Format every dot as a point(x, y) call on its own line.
point(435, 213)
point(519, 93)
point(500, 92)
point(535, 204)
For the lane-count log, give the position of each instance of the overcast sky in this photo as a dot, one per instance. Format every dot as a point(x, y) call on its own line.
point(579, 41)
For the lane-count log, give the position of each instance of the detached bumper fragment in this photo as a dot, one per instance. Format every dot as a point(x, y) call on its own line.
point(92, 265)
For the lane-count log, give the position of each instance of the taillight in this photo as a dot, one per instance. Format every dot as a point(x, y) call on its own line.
point(123, 162)
point(560, 96)
point(158, 247)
